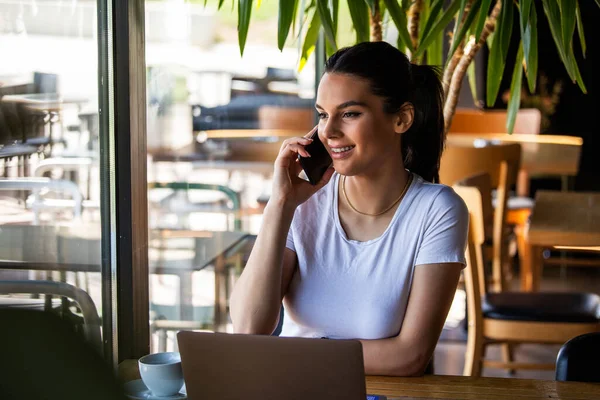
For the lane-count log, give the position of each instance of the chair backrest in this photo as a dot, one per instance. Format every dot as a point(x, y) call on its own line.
point(271, 117)
point(459, 162)
point(494, 121)
point(474, 273)
point(501, 164)
point(579, 359)
point(92, 321)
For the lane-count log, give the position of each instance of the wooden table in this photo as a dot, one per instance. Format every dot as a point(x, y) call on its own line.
point(566, 219)
point(78, 249)
point(462, 387)
point(452, 387)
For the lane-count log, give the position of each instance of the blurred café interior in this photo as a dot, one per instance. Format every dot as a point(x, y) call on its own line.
point(137, 159)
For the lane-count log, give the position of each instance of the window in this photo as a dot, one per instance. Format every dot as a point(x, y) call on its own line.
point(216, 121)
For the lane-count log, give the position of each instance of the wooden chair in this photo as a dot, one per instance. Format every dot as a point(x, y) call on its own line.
point(467, 120)
point(501, 164)
point(515, 317)
point(475, 122)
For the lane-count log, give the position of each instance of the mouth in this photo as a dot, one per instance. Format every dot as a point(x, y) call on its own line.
point(341, 152)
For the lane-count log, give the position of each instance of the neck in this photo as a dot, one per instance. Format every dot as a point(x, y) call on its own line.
point(373, 192)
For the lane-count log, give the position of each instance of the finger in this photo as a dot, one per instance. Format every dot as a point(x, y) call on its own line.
point(295, 168)
point(298, 149)
point(292, 142)
point(312, 131)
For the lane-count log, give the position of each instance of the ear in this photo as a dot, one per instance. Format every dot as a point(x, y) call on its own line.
point(404, 118)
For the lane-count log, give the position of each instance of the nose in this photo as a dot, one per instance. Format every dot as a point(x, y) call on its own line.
point(329, 130)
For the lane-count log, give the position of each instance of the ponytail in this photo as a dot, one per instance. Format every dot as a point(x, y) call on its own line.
point(392, 77)
point(423, 142)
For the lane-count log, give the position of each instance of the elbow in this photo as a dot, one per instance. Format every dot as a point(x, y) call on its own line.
point(414, 366)
point(250, 326)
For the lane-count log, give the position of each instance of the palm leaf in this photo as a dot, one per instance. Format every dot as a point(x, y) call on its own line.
point(483, 13)
point(399, 17)
point(580, 31)
point(327, 22)
point(244, 13)
point(472, 81)
point(221, 2)
point(359, 13)
point(565, 52)
point(434, 13)
point(498, 52)
point(530, 48)
point(438, 27)
point(371, 4)
point(458, 38)
point(310, 39)
point(515, 91)
point(287, 9)
point(568, 9)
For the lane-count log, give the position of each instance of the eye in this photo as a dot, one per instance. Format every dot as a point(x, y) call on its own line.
point(350, 114)
point(322, 115)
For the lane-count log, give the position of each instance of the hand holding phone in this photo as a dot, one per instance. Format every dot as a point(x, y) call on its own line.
point(316, 165)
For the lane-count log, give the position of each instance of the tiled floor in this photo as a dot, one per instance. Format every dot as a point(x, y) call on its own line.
point(450, 354)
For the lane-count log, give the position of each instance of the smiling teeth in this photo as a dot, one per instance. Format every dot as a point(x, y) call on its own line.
point(342, 149)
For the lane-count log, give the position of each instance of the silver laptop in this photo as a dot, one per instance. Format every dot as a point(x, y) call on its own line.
point(227, 366)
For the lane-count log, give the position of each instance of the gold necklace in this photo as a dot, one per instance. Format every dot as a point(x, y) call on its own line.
point(406, 186)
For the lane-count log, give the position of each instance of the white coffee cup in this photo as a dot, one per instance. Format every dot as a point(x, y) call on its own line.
point(162, 373)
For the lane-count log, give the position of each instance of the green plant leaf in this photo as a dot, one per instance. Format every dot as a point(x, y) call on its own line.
point(435, 52)
point(565, 51)
point(580, 31)
point(498, 52)
point(244, 13)
point(515, 91)
point(406, 4)
point(568, 9)
point(359, 12)
point(327, 21)
point(483, 14)
point(371, 4)
point(221, 2)
point(458, 38)
point(310, 39)
point(434, 14)
point(473, 81)
point(438, 27)
point(399, 17)
point(531, 52)
point(459, 18)
point(287, 10)
point(335, 15)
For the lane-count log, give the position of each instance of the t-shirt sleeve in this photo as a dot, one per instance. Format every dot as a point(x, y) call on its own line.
point(289, 243)
point(445, 232)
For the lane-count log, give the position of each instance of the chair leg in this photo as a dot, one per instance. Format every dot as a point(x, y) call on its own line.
point(508, 355)
point(474, 354)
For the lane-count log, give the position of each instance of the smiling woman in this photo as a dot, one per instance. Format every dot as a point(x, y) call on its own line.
point(375, 249)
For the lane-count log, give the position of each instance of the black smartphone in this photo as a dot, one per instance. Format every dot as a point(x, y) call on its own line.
point(318, 162)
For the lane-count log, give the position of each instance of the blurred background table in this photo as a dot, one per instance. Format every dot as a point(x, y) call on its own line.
point(568, 220)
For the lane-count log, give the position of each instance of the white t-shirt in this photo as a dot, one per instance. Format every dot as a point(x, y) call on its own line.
point(346, 289)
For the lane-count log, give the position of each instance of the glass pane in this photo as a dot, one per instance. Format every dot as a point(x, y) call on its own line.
point(50, 224)
point(215, 124)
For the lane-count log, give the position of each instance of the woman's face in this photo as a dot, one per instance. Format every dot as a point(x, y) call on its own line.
point(358, 134)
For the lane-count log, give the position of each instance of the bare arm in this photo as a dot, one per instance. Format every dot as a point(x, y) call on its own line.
point(430, 299)
point(256, 298)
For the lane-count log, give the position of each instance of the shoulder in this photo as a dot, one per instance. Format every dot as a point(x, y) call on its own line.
point(440, 200)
